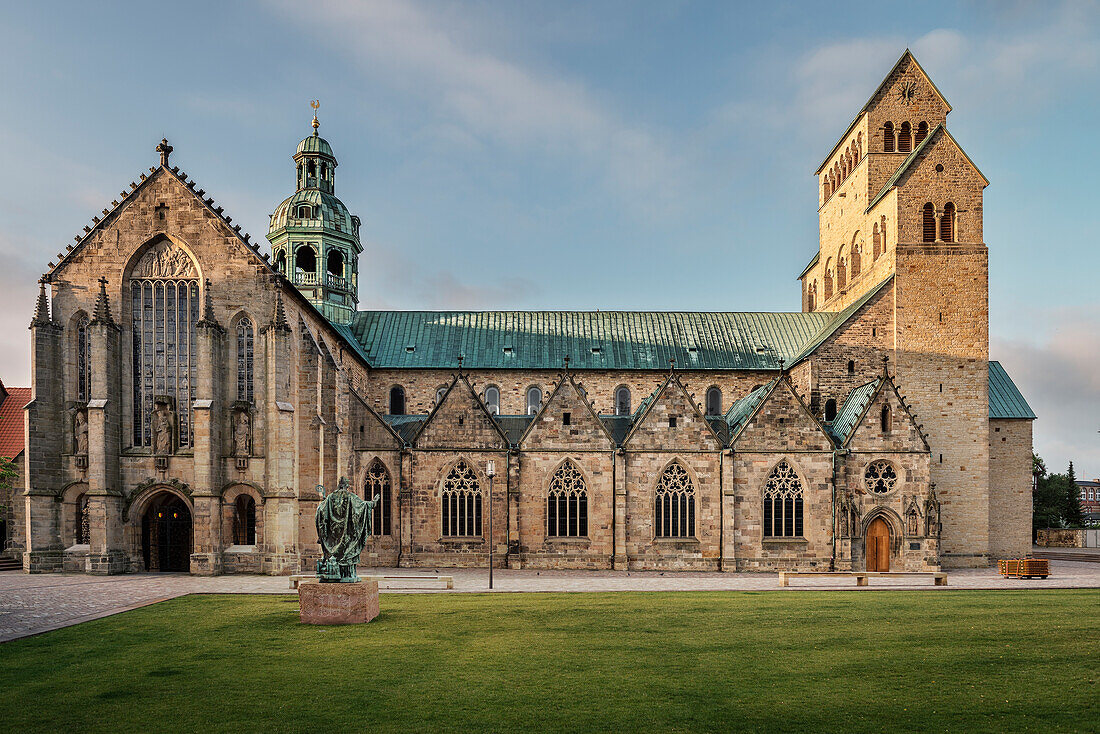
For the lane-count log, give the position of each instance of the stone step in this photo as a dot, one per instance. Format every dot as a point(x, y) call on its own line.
point(1067, 556)
point(10, 564)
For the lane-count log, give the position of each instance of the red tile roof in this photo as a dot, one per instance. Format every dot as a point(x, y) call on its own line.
point(11, 421)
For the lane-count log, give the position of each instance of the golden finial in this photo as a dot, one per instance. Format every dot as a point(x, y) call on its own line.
point(315, 104)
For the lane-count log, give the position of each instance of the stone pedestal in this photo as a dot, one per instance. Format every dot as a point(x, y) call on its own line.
point(338, 603)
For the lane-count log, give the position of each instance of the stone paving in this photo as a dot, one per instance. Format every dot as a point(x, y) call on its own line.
point(31, 604)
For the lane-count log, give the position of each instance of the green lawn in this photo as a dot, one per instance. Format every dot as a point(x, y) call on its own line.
point(799, 661)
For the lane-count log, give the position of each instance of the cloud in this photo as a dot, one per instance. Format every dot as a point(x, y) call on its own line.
point(1060, 379)
point(444, 60)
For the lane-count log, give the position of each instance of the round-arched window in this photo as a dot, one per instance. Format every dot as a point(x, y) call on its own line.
point(880, 477)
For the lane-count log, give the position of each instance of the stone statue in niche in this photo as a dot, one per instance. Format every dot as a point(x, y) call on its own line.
point(912, 517)
point(162, 427)
point(932, 513)
point(843, 513)
point(80, 433)
point(242, 433)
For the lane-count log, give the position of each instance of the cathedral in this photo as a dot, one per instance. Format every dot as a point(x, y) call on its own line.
point(194, 390)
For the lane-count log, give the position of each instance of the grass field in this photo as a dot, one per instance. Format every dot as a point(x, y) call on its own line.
point(804, 661)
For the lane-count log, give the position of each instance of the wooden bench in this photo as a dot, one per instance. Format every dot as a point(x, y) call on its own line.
point(448, 581)
point(939, 578)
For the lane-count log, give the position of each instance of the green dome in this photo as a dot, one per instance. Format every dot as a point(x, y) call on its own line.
point(328, 212)
point(315, 144)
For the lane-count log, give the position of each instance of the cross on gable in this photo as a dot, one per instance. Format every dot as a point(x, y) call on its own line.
point(165, 150)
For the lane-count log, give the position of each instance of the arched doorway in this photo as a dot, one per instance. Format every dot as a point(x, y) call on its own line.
point(166, 534)
point(878, 545)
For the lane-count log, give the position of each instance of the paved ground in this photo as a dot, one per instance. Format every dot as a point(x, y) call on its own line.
point(39, 603)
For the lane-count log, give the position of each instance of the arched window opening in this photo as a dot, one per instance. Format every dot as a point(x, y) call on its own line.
point(83, 361)
point(905, 138)
point(164, 308)
point(929, 223)
point(534, 399)
point(851, 366)
point(947, 223)
point(334, 263)
point(922, 132)
point(492, 400)
point(244, 520)
point(888, 137)
point(876, 242)
point(841, 274)
point(622, 400)
point(783, 503)
point(884, 419)
point(830, 410)
point(397, 400)
point(567, 503)
point(461, 502)
point(311, 169)
point(305, 261)
point(82, 528)
point(377, 484)
point(674, 504)
point(305, 212)
point(856, 267)
point(828, 284)
point(280, 262)
point(245, 360)
point(714, 401)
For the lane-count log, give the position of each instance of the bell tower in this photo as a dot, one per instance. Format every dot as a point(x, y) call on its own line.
point(314, 239)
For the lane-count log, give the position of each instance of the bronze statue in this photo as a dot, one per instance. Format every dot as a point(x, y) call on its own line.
point(344, 523)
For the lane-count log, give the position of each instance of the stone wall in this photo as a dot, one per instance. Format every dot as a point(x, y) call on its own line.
point(1060, 538)
point(1010, 504)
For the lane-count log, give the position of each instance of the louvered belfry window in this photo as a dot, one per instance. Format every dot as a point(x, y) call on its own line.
point(888, 137)
point(947, 223)
point(905, 138)
point(922, 132)
point(929, 223)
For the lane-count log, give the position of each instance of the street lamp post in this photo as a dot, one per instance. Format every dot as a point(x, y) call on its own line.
point(491, 471)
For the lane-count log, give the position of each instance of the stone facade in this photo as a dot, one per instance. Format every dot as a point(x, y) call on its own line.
point(223, 385)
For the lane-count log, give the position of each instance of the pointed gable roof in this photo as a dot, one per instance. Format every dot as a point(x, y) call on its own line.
point(566, 393)
point(858, 407)
point(12, 431)
point(763, 401)
point(671, 390)
point(913, 157)
point(849, 415)
point(906, 56)
point(1005, 399)
point(743, 408)
point(484, 432)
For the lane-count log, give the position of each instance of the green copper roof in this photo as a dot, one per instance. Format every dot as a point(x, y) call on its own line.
point(332, 214)
point(1005, 399)
point(741, 409)
point(838, 319)
point(624, 340)
point(317, 145)
point(852, 410)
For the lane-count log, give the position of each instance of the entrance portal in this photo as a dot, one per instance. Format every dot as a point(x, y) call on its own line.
point(878, 545)
point(166, 534)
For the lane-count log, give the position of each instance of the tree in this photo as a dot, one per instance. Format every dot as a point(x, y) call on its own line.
point(1072, 512)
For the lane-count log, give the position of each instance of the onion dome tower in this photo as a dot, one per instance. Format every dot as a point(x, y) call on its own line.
point(314, 239)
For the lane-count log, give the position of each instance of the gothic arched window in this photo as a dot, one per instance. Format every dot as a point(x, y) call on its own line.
point(244, 520)
point(534, 399)
point(783, 503)
point(567, 503)
point(714, 400)
point(885, 419)
point(674, 504)
point(245, 359)
point(492, 400)
point(622, 400)
point(397, 400)
point(461, 499)
point(377, 483)
point(83, 361)
point(164, 308)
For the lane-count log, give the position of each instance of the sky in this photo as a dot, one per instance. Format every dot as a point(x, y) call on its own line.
point(570, 155)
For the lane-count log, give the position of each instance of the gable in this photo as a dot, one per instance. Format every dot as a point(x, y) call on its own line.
point(926, 102)
point(369, 429)
point(903, 434)
point(460, 421)
point(937, 138)
point(782, 422)
point(548, 429)
point(652, 429)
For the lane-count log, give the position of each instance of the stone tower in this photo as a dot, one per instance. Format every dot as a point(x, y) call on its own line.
point(900, 200)
point(314, 239)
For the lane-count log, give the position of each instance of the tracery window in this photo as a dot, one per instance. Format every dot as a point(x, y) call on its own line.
point(492, 400)
point(880, 477)
point(245, 360)
point(674, 504)
point(164, 307)
point(783, 503)
point(714, 399)
point(397, 400)
point(244, 520)
point(83, 361)
point(377, 483)
point(461, 502)
point(567, 503)
point(622, 400)
point(534, 399)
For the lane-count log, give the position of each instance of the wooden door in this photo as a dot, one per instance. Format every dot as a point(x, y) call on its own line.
point(878, 545)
